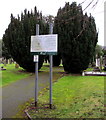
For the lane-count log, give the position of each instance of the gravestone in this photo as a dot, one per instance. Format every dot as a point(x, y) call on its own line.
point(16, 65)
point(101, 63)
point(96, 69)
point(2, 68)
point(97, 62)
point(0, 60)
point(104, 60)
point(4, 61)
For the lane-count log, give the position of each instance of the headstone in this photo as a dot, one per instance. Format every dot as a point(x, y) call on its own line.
point(101, 63)
point(83, 73)
point(104, 59)
point(96, 61)
point(93, 64)
point(4, 61)
point(96, 69)
point(0, 60)
point(104, 62)
point(104, 68)
point(2, 68)
point(16, 65)
point(8, 61)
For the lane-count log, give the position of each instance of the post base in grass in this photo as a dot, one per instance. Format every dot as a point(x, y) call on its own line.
point(50, 106)
point(35, 104)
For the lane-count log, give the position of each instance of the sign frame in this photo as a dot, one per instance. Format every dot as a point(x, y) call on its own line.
point(44, 53)
point(45, 50)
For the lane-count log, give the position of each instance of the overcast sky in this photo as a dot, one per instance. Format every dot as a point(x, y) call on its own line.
point(49, 7)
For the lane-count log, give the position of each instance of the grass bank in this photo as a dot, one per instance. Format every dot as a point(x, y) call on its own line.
point(12, 74)
point(73, 97)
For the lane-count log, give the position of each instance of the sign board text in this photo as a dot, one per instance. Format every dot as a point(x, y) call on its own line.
point(44, 44)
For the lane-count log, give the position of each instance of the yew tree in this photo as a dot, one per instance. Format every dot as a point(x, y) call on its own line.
point(77, 37)
point(17, 37)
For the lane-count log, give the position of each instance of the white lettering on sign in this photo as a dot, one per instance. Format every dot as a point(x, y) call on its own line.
point(44, 43)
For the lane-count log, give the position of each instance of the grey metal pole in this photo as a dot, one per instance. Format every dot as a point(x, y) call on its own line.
point(36, 72)
point(51, 64)
point(100, 63)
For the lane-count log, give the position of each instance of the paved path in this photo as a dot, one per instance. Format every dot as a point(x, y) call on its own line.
point(19, 92)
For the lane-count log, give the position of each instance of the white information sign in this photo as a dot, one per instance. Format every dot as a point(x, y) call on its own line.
point(35, 58)
point(44, 43)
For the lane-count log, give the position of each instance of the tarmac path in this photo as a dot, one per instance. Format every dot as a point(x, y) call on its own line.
point(21, 91)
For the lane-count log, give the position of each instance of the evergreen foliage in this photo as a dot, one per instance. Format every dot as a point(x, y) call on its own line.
point(17, 37)
point(104, 50)
point(99, 51)
point(77, 37)
point(56, 60)
point(5, 52)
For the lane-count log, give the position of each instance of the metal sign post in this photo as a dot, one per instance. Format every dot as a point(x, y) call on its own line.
point(100, 63)
point(44, 45)
point(51, 64)
point(36, 57)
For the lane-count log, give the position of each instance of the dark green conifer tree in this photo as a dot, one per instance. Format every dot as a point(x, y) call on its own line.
point(77, 37)
point(17, 37)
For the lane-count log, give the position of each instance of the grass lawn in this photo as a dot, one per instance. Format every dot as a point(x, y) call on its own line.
point(46, 68)
point(12, 74)
point(73, 97)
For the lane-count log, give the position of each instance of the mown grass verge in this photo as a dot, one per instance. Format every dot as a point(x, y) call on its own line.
point(73, 97)
point(12, 74)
